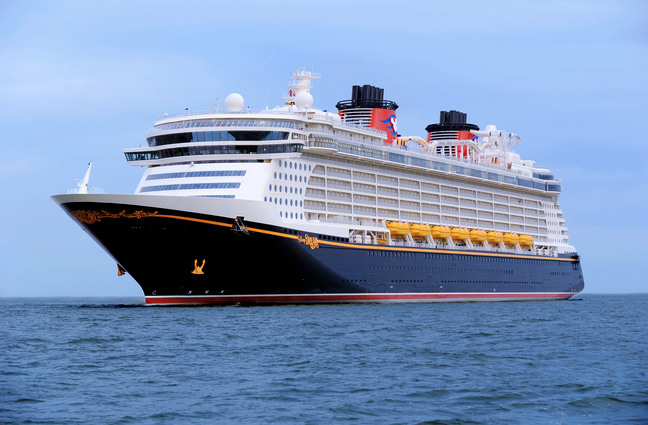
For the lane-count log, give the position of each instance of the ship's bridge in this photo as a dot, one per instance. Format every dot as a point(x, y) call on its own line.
point(266, 134)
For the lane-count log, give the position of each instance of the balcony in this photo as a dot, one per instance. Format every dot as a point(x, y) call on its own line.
point(387, 191)
point(364, 188)
point(314, 205)
point(336, 196)
point(336, 184)
point(310, 193)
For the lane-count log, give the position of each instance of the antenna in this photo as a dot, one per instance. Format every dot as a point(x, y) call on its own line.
point(83, 184)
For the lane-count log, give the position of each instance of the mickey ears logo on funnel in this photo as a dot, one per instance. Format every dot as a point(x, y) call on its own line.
point(392, 125)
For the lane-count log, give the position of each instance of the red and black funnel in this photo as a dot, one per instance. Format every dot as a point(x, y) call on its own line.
point(368, 109)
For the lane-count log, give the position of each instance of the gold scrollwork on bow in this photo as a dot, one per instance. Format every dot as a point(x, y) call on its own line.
point(89, 217)
point(309, 240)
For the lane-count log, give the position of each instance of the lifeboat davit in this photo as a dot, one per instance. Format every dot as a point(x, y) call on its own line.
point(494, 238)
point(477, 235)
point(420, 230)
point(440, 232)
point(398, 228)
point(459, 234)
point(511, 239)
point(526, 240)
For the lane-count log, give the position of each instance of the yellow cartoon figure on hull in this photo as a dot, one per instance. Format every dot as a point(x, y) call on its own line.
point(198, 270)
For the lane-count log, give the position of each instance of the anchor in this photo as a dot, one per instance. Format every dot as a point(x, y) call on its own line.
point(239, 227)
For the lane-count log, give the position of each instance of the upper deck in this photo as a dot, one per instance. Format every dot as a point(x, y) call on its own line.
point(236, 135)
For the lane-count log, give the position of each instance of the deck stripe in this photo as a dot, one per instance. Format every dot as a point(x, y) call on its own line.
point(372, 247)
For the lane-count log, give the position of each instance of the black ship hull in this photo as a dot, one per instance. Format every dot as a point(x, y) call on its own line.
point(184, 257)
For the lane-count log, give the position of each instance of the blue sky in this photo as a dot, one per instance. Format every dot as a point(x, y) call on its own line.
point(80, 81)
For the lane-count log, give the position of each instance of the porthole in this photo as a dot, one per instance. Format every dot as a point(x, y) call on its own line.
point(265, 199)
point(275, 201)
point(309, 168)
point(291, 177)
point(291, 215)
point(280, 201)
point(299, 167)
point(291, 190)
point(300, 191)
point(270, 199)
point(275, 188)
point(291, 165)
point(275, 174)
point(280, 214)
point(280, 163)
point(301, 216)
point(279, 176)
point(291, 202)
point(300, 179)
point(279, 188)
point(286, 189)
point(301, 203)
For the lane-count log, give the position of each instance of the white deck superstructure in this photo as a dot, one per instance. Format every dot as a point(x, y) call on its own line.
point(317, 169)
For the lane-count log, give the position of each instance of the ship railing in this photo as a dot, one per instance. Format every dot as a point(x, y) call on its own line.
point(417, 149)
point(536, 252)
point(339, 186)
point(341, 220)
point(315, 195)
point(309, 115)
point(384, 203)
point(414, 148)
point(341, 175)
point(366, 202)
point(354, 139)
point(92, 190)
point(410, 185)
point(365, 190)
point(339, 198)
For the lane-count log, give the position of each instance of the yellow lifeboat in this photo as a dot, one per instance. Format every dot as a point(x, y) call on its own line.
point(511, 239)
point(459, 234)
point(440, 232)
point(494, 238)
point(477, 235)
point(420, 230)
point(398, 228)
point(526, 240)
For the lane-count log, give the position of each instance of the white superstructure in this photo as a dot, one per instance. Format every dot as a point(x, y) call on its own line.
point(317, 169)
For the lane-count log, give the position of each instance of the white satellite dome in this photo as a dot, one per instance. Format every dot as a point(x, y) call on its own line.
point(234, 102)
point(303, 100)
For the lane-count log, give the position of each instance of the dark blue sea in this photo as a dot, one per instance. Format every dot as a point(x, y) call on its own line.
point(116, 361)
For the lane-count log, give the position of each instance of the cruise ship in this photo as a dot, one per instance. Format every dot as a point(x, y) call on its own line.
point(302, 205)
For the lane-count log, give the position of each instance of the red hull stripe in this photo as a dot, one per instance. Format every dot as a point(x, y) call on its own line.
point(333, 298)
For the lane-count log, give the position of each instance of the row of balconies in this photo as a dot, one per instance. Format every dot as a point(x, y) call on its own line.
point(444, 207)
point(412, 210)
point(349, 185)
point(412, 216)
point(410, 195)
point(430, 187)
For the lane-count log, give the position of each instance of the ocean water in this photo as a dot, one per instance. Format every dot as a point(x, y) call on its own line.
point(115, 361)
